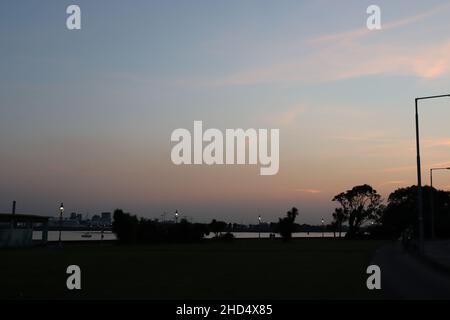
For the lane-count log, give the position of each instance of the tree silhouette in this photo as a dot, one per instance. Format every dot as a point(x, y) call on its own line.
point(125, 226)
point(401, 211)
point(339, 218)
point(286, 225)
point(217, 227)
point(130, 230)
point(358, 206)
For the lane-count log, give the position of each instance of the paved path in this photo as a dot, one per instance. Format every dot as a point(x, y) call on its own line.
point(404, 276)
point(438, 253)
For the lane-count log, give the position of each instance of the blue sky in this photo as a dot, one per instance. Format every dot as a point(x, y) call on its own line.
point(86, 116)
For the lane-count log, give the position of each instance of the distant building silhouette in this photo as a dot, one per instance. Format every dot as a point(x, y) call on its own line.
point(16, 230)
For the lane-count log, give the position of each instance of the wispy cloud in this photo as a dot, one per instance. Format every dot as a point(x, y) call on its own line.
point(366, 137)
point(346, 61)
point(394, 182)
point(283, 117)
point(400, 169)
point(308, 190)
point(441, 164)
point(414, 167)
point(361, 32)
point(436, 142)
point(348, 58)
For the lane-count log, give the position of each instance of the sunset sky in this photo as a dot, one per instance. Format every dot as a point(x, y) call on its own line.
point(86, 116)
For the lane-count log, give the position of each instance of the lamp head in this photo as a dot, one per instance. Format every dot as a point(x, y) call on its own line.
point(61, 208)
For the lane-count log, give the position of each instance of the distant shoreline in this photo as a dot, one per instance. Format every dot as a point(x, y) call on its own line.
point(95, 235)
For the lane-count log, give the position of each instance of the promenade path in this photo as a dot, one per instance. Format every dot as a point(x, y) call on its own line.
point(407, 276)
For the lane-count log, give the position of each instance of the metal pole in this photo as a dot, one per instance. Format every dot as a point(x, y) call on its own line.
point(13, 214)
point(61, 211)
point(323, 229)
point(60, 227)
point(419, 184)
point(419, 176)
point(432, 204)
point(259, 226)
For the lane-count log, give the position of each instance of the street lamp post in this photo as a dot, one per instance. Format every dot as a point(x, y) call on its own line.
point(176, 216)
point(163, 217)
point(432, 200)
point(323, 228)
point(102, 234)
point(259, 226)
point(419, 175)
point(61, 212)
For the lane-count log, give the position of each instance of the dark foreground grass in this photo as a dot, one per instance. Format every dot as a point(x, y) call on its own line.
point(242, 269)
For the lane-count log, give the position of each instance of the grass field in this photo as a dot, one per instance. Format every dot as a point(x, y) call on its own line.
point(242, 269)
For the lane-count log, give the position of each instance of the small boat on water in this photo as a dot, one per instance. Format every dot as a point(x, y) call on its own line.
point(86, 235)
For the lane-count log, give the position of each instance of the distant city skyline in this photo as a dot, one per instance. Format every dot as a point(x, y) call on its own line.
point(86, 116)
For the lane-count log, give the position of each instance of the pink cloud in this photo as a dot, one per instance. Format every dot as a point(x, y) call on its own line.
point(394, 182)
point(309, 190)
point(400, 169)
point(347, 58)
point(430, 143)
point(361, 32)
point(350, 60)
point(283, 117)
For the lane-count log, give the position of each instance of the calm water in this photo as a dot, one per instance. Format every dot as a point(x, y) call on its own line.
point(249, 235)
point(108, 235)
point(74, 235)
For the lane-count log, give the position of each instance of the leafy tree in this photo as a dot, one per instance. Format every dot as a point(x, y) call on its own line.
point(401, 211)
point(217, 227)
point(359, 205)
point(125, 226)
point(130, 230)
point(286, 225)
